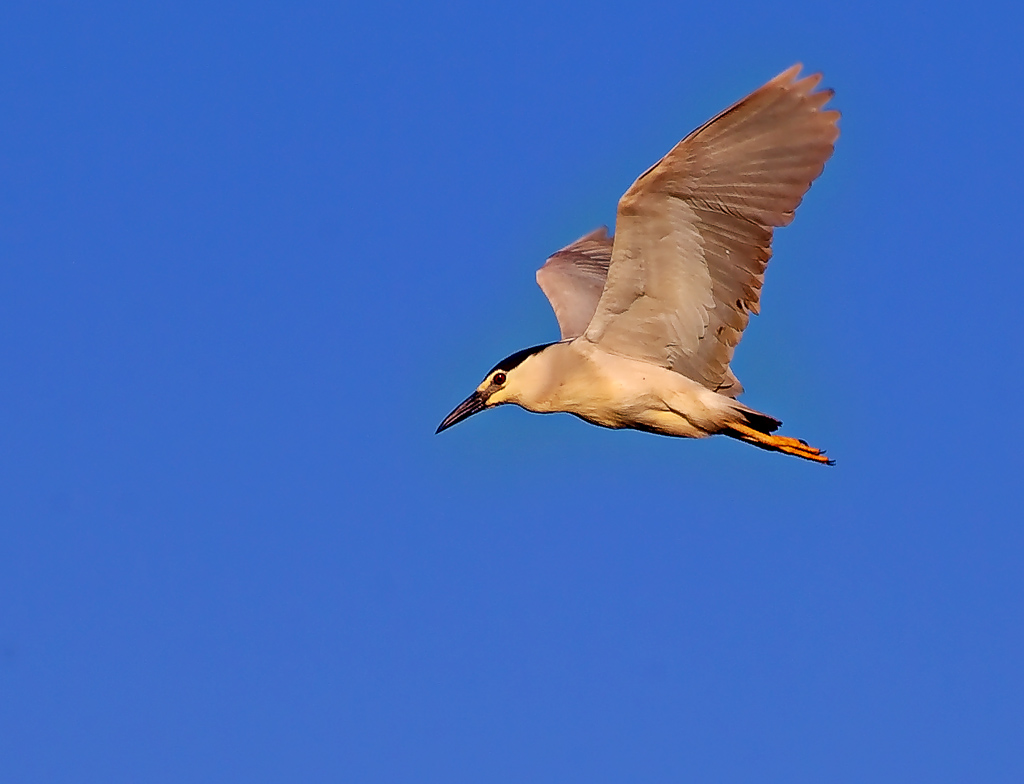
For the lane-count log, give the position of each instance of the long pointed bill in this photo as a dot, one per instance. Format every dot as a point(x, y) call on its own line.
point(471, 405)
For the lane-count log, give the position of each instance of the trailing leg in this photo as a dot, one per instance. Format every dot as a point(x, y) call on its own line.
point(784, 444)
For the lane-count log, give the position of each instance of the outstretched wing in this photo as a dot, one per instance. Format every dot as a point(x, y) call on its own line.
point(573, 279)
point(693, 233)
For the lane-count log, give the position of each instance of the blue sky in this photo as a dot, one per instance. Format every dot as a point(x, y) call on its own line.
point(251, 254)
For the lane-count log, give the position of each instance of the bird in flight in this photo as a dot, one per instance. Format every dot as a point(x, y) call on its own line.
point(650, 317)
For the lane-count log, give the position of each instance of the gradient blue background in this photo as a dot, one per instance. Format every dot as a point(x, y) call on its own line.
point(252, 255)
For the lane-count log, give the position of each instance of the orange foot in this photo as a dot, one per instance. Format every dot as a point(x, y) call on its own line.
point(789, 446)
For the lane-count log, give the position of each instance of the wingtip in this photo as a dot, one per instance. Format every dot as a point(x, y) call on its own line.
point(790, 73)
point(806, 84)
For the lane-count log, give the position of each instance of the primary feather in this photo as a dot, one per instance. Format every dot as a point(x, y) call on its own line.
point(693, 233)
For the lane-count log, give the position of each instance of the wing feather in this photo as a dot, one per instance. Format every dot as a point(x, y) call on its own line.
point(573, 278)
point(693, 233)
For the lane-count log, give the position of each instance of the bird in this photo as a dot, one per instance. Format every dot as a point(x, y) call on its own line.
point(650, 317)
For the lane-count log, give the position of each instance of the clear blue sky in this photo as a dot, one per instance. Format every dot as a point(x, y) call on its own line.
point(250, 256)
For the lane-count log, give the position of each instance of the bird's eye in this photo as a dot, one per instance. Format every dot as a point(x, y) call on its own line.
point(499, 379)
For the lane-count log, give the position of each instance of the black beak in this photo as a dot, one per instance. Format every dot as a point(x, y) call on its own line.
point(471, 405)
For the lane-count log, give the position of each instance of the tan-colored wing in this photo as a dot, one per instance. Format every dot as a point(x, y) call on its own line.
point(693, 233)
point(573, 279)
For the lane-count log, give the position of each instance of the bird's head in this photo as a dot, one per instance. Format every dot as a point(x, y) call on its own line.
point(504, 383)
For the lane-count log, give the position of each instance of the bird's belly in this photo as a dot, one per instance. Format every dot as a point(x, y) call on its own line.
point(616, 412)
point(652, 418)
point(645, 398)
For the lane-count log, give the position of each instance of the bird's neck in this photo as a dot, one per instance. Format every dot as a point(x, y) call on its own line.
point(546, 381)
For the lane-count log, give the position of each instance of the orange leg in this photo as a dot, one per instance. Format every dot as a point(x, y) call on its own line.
point(789, 446)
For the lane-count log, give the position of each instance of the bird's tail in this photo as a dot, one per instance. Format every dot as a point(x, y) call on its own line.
point(756, 428)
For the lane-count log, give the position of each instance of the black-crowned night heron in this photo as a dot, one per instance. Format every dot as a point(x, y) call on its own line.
point(650, 318)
